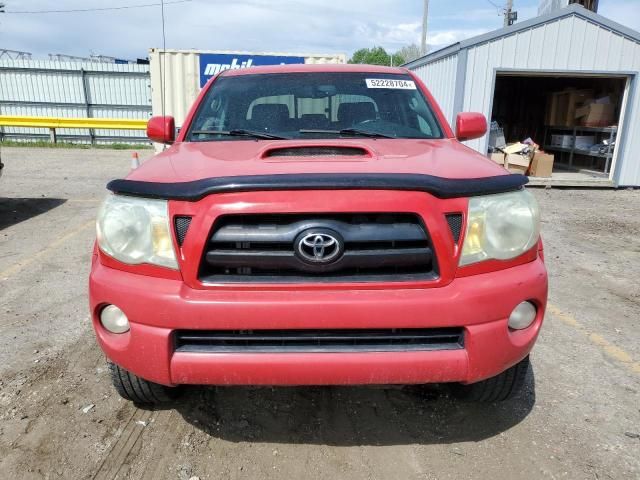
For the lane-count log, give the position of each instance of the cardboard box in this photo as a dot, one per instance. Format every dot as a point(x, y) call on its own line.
point(498, 158)
point(517, 163)
point(562, 106)
point(596, 115)
point(541, 165)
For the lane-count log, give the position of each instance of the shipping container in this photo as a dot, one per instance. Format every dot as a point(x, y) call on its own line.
point(178, 75)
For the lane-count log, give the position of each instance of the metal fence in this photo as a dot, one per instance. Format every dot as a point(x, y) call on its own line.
point(45, 88)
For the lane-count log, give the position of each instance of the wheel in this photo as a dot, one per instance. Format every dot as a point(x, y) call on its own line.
point(495, 389)
point(138, 390)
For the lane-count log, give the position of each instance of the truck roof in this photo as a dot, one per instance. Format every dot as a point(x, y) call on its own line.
point(318, 68)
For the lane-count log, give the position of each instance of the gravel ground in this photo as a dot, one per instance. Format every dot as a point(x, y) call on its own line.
point(60, 418)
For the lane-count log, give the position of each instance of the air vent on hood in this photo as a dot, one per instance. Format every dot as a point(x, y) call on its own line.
point(317, 152)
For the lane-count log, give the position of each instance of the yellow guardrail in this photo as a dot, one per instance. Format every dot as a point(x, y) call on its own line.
point(58, 122)
point(53, 123)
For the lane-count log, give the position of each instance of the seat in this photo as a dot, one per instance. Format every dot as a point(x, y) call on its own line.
point(353, 113)
point(270, 116)
point(314, 121)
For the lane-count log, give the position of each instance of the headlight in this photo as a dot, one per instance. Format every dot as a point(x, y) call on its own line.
point(500, 226)
point(136, 230)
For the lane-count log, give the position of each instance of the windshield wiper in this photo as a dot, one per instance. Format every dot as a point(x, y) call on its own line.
point(348, 131)
point(240, 133)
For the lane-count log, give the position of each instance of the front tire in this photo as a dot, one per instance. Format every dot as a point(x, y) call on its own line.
point(495, 389)
point(138, 390)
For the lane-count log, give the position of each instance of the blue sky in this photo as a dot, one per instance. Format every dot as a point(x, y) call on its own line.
point(297, 26)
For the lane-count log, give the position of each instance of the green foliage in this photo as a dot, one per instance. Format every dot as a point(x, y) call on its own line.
point(410, 52)
point(376, 56)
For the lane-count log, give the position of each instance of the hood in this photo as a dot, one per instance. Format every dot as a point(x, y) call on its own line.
point(189, 161)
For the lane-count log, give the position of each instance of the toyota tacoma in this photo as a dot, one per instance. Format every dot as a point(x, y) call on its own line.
point(318, 225)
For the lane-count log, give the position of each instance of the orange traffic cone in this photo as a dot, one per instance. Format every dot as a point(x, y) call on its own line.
point(135, 161)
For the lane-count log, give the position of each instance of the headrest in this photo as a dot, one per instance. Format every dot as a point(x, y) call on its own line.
point(270, 114)
point(314, 120)
point(352, 113)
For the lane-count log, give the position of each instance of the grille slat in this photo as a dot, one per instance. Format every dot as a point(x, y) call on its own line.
point(352, 340)
point(287, 260)
point(262, 248)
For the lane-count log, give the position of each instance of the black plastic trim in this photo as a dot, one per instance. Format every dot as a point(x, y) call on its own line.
point(319, 341)
point(438, 186)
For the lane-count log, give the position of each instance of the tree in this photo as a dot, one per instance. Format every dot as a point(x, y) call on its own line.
point(376, 56)
point(410, 53)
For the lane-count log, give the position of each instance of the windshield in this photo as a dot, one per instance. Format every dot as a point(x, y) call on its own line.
point(314, 105)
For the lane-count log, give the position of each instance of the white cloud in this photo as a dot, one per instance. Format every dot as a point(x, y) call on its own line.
point(297, 26)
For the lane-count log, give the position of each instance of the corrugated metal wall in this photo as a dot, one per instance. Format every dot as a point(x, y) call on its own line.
point(74, 89)
point(181, 76)
point(567, 44)
point(440, 78)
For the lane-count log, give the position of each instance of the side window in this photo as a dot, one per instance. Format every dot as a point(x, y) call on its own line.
point(213, 116)
point(424, 117)
point(312, 106)
point(424, 126)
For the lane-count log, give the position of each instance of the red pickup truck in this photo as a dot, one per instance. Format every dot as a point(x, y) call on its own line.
point(318, 225)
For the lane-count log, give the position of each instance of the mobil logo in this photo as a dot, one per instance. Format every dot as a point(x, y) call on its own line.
point(212, 64)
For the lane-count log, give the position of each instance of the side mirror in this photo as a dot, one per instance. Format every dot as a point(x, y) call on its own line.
point(161, 129)
point(470, 125)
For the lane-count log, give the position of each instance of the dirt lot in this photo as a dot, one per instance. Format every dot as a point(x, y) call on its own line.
point(60, 418)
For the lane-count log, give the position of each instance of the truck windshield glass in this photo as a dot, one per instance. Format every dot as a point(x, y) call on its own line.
point(313, 105)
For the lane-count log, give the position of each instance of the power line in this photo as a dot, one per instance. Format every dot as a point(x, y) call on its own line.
point(98, 9)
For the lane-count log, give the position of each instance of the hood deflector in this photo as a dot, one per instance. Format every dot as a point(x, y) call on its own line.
point(437, 186)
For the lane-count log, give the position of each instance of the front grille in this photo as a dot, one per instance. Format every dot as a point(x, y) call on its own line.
point(274, 341)
point(285, 248)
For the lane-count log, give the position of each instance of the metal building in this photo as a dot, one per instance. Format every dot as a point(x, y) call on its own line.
point(572, 44)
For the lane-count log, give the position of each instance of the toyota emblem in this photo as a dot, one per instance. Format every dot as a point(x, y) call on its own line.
point(319, 246)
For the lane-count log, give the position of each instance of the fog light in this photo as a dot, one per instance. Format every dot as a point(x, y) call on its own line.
point(522, 316)
point(114, 319)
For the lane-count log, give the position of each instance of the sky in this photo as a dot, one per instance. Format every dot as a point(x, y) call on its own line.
point(292, 26)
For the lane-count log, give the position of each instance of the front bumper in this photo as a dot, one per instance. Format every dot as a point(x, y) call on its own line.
point(481, 304)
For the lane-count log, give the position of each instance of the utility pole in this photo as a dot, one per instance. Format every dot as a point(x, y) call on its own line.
point(425, 17)
point(510, 16)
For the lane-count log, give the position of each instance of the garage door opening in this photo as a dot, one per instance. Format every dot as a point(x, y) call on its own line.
point(573, 118)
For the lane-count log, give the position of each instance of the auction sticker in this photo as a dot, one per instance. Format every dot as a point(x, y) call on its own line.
point(390, 83)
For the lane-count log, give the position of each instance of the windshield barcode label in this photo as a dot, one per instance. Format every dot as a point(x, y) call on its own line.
point(389, 83)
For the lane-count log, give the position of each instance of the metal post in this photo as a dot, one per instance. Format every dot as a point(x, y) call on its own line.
point(52, 135)
point(85, 90)
point(425, 17)
point(510, 15)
